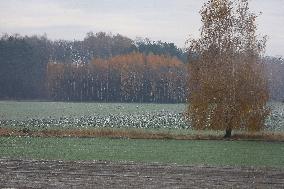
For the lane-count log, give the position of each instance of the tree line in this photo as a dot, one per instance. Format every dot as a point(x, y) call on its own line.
point(30, 64)
point(24, 59)
point(133, 77)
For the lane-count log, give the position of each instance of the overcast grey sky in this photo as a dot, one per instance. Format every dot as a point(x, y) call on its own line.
point(166, 20)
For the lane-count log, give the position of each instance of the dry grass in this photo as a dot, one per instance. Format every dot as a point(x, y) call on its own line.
point(142, 134)
point(263, 135)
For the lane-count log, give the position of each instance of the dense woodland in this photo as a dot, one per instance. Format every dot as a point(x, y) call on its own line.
point(102, 67)
point(133, 77)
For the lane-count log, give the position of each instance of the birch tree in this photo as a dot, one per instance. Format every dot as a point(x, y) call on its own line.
point(227, 84)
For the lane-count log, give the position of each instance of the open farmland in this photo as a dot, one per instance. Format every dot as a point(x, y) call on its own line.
point(60, 115)
point(36, 162)
point(183, 152)
point(122, 163)
point(102, 174)
point(44, 115)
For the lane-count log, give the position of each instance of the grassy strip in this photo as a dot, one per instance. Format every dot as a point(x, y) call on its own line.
point(143, 134)
point(183, 152)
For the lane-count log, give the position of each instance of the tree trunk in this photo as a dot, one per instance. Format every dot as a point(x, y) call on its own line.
point(228, 133)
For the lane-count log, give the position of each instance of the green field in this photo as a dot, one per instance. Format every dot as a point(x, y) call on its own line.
point(126, 116)
point(61, 115)
point(21, 110)
point(233, 153)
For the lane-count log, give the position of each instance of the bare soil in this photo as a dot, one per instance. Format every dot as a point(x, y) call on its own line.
point(100, 174)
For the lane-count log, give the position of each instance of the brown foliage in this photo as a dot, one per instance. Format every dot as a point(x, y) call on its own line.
point(133, 77)
point(228, 88)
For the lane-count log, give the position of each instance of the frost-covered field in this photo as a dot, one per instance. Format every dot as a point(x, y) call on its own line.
point(44, 115)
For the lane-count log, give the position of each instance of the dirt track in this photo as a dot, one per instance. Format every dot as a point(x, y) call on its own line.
point(98, 174)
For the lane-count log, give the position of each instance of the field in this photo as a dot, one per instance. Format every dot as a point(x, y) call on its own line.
point(28, 160)
point(183, 152)
point(34, 162)
point(104, 174)
point(60, 115)
point(163, 121)
point(44, 115)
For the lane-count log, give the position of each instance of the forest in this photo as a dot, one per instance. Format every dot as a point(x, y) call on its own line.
point(102, 67)
point(133, 77)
